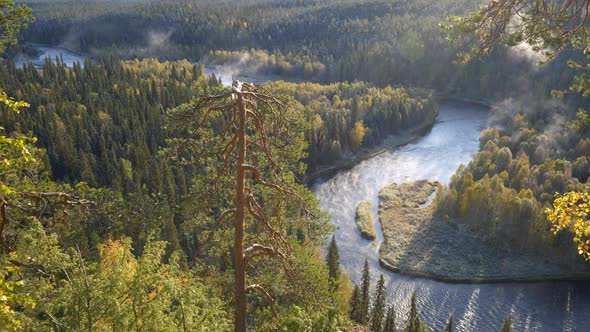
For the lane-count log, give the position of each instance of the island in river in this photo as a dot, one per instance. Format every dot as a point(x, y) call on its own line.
point(419, 242)
point(364, 220)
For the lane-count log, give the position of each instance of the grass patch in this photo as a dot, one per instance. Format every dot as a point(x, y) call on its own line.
point(364, 220)
point(418, 242)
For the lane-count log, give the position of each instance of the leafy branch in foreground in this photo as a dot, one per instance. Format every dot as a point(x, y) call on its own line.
point(570, 211)
point(546, 26)
point(12, 19)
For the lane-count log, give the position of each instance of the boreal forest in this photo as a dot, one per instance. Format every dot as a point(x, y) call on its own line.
point(294, 165)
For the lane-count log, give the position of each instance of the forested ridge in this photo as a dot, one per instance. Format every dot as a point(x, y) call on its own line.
point(136, 191)
point(384, 42)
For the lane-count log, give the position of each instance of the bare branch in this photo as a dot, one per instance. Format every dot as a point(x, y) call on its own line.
point(266, 294)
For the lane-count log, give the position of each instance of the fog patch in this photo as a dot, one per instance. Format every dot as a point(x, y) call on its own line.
point(238, 65)
point(71, 40)
point(158, 39)
point(549, 117)
point(528, 50)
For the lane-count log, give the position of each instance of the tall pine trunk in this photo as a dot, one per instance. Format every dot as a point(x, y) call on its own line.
point(240, 221)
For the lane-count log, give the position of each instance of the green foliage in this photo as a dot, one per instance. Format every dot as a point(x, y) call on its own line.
point(114, 140)
point(548, 29)
point(12, 19)
point(333, 262)
point(14, 151)
point(102, 285)
point(73, 292)
point(355, 304)
point(12, 104)
point(507, 325)
point(102, 124)
point(450, 327)
point(390, 320)
point(13, 298)
point(300, 320)
point(363, 317)
point(413, 322)
point(119, 292)
point(378, 310)
point(282, 214)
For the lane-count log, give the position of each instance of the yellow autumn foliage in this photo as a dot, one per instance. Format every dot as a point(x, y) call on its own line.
point(570, 211)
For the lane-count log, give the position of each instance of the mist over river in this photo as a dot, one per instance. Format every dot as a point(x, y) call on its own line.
point(545, 306)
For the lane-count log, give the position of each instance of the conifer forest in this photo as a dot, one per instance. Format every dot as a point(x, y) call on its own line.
point(295, 165)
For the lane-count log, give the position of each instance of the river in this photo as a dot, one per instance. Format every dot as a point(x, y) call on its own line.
point(548, 306)
point(543, 306)
point(69, 57)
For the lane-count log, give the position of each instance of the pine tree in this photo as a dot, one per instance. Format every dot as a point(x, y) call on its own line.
point(355, 304)
point(170, 235)
point(390, 320)
point(379, 307)
point(333, 262)
point(507, 325)
point(413, 324)
point(365, 288)
point(450, 325)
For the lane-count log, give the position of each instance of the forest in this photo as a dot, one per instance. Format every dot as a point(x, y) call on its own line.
point(139, 193)
point(378, 41)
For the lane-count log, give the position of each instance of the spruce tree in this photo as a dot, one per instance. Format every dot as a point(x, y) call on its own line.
point(390, 320)
point(379, 307)
point(333, 262)
point(355, 304)
point(450, 325)
point(365, 288)
point(413, 324)
point(507, 326)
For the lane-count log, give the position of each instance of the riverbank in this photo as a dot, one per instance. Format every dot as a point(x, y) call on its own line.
point(485, 103)
point(393, 141)
point(419, 243)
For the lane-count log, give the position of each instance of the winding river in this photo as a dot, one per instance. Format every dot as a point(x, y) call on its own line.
point(544, 306)
point(548, 306)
